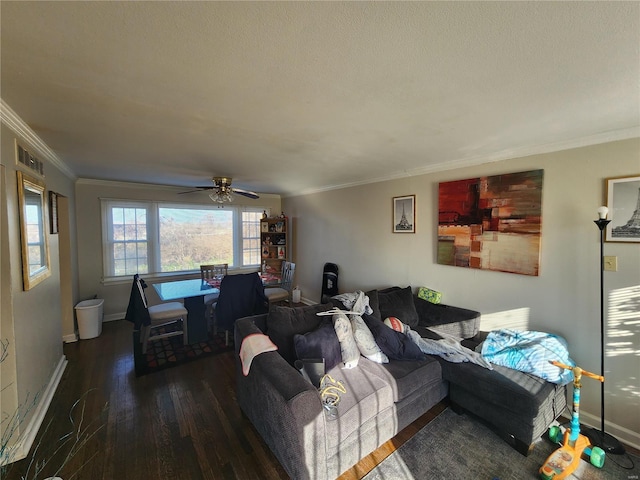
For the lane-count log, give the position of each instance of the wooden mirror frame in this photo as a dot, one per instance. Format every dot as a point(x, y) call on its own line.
point(33, 231)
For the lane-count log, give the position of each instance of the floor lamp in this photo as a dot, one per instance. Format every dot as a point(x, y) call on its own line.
point(600, 438)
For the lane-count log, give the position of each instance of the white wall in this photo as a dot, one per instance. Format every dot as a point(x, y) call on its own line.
point(88, 217)
point(352, 227)
point(31, 320)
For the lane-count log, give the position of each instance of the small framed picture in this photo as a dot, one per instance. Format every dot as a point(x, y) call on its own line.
point(53, 212)
point(623, 201)
point(404, 214)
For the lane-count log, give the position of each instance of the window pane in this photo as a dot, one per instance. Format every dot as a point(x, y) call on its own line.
point(118, 251)
point(118, 232)
point(129, 233)
point(190, 237)
point(251, 238)
point(119, 267)
point(250, 251)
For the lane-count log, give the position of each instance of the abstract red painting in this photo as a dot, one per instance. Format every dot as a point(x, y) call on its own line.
point(492, 223)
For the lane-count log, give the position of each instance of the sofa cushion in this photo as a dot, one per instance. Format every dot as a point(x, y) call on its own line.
point(406, 377)
point(319, 343)
point(366, 396)
point(396, 345)
point(503, 387)
point(459, 322)
point(284, 322)
point(397, 302)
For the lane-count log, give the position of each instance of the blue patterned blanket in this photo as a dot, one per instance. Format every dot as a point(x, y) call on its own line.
point(529, 352)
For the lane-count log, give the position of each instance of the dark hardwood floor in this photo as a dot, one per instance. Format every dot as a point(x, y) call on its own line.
point(180, 423)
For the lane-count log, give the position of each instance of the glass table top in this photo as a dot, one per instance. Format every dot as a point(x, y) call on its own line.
point(184, 289)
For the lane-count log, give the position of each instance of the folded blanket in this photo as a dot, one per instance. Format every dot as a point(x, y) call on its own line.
point(253, 345)
point(529, 352)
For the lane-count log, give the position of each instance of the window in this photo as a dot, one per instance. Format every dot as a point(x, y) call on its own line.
point(251, 237)
point(34, 234)
point(192, 236)
point(128, 244)
point(155, 237)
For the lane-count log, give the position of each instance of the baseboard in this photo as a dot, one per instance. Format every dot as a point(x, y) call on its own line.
point(21, 448)
point(112, 317)
point(306, 301)
point(70, 338)
point(624, 435)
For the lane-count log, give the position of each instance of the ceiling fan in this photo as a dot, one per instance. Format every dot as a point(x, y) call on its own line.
point(222, 191)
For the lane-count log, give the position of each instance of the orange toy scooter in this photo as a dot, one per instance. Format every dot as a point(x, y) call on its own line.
point(566, 459)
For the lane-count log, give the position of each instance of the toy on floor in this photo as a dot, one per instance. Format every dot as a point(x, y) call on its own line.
point(564, 461)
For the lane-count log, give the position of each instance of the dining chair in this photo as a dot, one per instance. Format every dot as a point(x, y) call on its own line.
point(282, 293)
point(241, 295)
point(149, 319)
point(211, 272)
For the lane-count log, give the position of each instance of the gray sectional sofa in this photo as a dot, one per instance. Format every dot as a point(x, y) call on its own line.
point(380, 399)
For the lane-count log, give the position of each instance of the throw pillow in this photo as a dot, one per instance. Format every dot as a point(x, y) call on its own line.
point(348, 347)
point(398, 302)
point(365, 341)
point(319, 343)
point(429, 295)
point(284, 322)
point(396, 345)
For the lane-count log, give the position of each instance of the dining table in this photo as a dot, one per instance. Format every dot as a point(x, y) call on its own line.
point(193, 293)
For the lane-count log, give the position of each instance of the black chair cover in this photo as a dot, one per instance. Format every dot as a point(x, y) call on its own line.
point(240, 296)
point(137, 313)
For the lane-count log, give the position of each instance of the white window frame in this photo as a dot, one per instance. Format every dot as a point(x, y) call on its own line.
point(153, 233)
point(240, 244)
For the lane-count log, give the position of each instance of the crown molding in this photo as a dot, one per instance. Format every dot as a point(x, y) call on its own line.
point(509, 154)
point(13, 121)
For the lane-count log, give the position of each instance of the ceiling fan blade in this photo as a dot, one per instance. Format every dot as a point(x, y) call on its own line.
point(199, 189)
point(246, 193)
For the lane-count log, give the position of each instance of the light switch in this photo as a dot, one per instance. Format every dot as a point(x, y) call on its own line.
point(610, 263)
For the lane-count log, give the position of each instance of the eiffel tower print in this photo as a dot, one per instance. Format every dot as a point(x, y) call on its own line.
point(403, 224)
point(632, 228)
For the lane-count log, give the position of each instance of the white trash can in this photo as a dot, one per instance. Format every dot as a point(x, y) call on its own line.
point(295, 295)
point(89, 314)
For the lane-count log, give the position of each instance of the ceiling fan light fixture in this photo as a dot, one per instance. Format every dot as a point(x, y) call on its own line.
point(221, 196)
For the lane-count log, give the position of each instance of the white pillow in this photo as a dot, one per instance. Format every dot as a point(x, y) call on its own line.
point(348, 346)
point(365, 341)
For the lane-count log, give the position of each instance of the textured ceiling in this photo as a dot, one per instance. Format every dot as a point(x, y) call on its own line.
point(293, 97)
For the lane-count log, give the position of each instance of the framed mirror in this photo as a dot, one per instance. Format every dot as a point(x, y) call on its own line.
point(33, 234)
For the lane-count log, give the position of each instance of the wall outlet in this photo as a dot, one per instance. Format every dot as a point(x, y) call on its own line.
point(610, 263)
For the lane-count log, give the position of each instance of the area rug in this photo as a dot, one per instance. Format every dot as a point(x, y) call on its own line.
point(460, 446)
point(170, 352)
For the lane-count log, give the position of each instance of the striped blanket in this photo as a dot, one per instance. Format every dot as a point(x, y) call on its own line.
point(529, 352)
